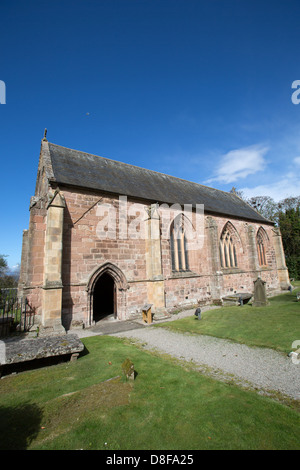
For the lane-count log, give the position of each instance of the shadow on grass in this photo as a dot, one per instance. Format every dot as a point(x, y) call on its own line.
point(84, 352)
point(286, 297)
point(19, 425)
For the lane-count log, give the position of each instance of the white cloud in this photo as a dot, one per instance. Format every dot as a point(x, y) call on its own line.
point(240, 163)
point(297, 160)
point(286, 186)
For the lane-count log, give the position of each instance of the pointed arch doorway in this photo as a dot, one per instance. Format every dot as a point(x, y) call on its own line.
point(104, 298)
point(107, 294)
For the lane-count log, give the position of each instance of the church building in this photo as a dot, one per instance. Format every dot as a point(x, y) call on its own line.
point(105, 238)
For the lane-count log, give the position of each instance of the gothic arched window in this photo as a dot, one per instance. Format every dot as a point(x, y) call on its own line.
point(228, 255)
point(178, 243)
point(261, 246)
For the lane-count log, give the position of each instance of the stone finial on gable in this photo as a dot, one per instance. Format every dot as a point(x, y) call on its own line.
point(45, 134)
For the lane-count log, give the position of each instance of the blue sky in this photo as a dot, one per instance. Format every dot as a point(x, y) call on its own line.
point(196, 89)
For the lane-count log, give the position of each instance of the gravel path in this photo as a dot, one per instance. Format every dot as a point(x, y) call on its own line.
point(257, 368)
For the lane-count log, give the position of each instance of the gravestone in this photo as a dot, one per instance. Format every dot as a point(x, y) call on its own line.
point(128, 369)
point(260, 294)
point(198, 313)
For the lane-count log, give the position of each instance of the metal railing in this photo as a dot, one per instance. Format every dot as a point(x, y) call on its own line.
point(16, 315)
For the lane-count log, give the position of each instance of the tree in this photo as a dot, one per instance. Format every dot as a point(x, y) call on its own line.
point(7, 279)
point(286, 215)
point(289, 223)
point(3, 265)
point(265, 205)
point(289, 203)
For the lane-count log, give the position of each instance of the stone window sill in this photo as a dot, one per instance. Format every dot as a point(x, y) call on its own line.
point(231, 270)
point(180, 274)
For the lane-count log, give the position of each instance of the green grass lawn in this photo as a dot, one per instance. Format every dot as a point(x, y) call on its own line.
point(169, 406)
point(275, 326)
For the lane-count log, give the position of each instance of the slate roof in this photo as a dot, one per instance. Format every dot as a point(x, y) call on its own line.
point(76, 168)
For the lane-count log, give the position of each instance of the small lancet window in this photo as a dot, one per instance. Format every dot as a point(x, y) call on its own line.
point(261, 249)
point(227, 250)
point(178, 243)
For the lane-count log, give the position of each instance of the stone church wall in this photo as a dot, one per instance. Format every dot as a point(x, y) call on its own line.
point(142, 269)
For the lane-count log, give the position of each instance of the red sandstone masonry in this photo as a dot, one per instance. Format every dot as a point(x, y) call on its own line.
point(84, 252)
